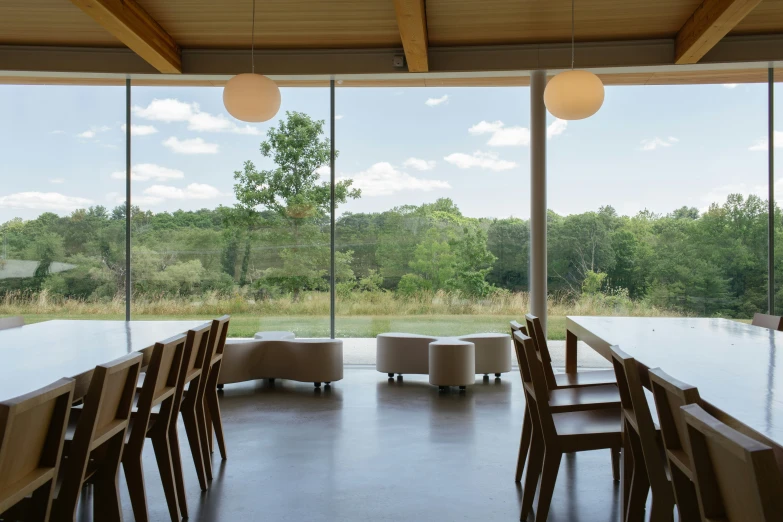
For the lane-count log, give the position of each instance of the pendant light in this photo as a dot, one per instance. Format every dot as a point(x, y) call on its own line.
point(574, 94)
point(249, 96)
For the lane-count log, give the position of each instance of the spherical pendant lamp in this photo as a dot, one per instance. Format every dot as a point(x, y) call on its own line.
point(574, 94)
point(251, 97)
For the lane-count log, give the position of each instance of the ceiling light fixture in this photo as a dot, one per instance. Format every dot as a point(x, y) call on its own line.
point(574, 95)
point(249, 96)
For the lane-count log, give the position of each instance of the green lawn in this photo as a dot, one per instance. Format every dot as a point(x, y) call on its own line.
point(245, 325)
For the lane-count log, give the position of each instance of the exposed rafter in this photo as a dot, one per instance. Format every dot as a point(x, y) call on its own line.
point(711, 21)
point(412, 22)
point(130, 24)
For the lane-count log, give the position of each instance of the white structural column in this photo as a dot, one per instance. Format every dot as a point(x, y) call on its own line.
point(538, 271)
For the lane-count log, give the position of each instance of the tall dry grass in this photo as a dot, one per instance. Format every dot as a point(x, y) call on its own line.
point(317, 303)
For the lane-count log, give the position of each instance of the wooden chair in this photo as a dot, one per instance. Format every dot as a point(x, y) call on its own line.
point(558, 433)
point(562, 380)
point(32, 430)
point(217, 336)
point(11, 322)
point(560, 400)
point(737, 478)
point(773, 322)
point(158, 390)
point(670, 396)
point(646, 463)
point(95, 439)
point(197, 351)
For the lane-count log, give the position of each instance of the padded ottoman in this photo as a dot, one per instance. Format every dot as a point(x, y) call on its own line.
point(452, 363)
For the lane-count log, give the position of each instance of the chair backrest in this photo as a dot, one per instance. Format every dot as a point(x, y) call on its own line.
point(540, 390)
point(671, 395)
point(737, 478)
point(637, 415)
point(524, 370)
point(536, 332)
point(11, 322)
point(218, 336)
point(108, 403)
point(32, 429)
point(197, 350)
point(773, 322)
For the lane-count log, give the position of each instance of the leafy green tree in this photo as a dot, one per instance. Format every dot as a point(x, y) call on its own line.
point(472, 262)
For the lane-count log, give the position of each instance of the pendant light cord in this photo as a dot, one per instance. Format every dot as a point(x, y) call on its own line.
point(253, 41)
point(572, 34)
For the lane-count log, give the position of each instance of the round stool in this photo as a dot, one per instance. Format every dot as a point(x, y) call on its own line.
point(452, 363)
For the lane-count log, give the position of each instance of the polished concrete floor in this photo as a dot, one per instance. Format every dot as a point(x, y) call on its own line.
point(374, 449)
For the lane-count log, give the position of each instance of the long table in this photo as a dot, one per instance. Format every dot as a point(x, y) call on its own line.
point(733, 364)
point(35, 355)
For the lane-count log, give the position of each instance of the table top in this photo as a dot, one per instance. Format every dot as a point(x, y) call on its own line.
point(733, 364)
point(35, 355)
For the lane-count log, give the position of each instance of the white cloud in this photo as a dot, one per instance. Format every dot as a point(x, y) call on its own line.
point(657, 143)
point(419, 164)
point(556, 128)
point(140, 130)
point(482, 160)
point(432, 102)
point(86, 134)
point(148, 171)
point(730, 85)
point(382, 179)
point(338, 117)
point(191, 146)
point(51, 201)
point(171, 110)
point(763, 143)
point(192, 191)
point(58, 132)
point(93, 131)
point(57, 181)
point(324, 171)
point(503, 136)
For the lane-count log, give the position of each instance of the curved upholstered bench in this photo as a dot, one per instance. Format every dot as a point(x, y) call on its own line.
point(403, 353)
point(279, 356)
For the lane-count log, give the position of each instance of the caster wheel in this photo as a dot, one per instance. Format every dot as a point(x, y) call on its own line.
point(399, 377)
point(328, 384)
point(219, 386)
point(497, 376)
point(317, 384)
point(391, 376)
point(462, 388)
point(272, 381)
point(442, 388)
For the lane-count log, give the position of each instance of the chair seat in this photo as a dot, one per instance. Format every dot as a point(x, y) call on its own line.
point(588, 378)
point(591, 428)
point(584, 398)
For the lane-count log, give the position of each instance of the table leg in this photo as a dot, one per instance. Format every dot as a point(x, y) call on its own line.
point(570, 356)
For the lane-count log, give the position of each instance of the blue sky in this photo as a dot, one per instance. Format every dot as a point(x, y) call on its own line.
point(649, 147)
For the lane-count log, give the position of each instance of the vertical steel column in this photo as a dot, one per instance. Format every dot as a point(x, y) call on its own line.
point(127, 199)
point(538, 269)
point(771, 188)
point(331, 204)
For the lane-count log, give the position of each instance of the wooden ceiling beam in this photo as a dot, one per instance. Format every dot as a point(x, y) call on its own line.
point(412, 22)
point(711, 21)
point(133, 26)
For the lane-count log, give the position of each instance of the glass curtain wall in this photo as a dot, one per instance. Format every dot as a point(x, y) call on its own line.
point(432, 208)
point(62, 220)
point(230, 217)
point(658, 205)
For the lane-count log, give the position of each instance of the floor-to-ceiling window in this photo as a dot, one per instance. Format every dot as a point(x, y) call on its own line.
point(231, 217)
point(658, 205)
point(432, 211)
point(62, 228)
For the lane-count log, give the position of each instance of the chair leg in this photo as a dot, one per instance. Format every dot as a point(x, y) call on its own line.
point(524, 444)
point(208, 418)
point(217, 422)
point(202, 421)
point(176, 467)
point(685, 495)
point(615, 463)
point(627, 473)
point(190, 420)
point(106, 502)
point(547, 488)
point(662, 508)
point(134, 478)
point(534, 463)
point(160, 443)
point(41, 504)
point(640, 483)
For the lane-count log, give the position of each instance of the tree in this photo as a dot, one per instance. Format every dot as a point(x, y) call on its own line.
point(472, 262)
